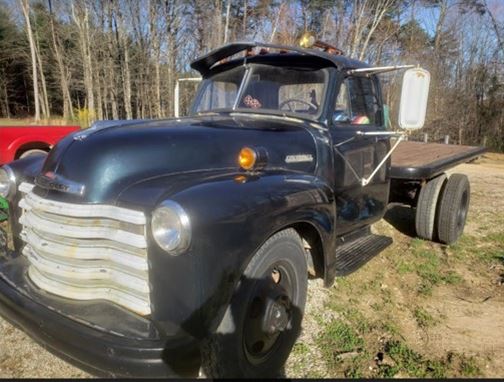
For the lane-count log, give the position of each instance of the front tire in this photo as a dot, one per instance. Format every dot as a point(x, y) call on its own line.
point(263, 320)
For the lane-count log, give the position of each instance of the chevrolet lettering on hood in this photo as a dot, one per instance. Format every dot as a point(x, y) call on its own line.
point(298, 158)
point(50, 181)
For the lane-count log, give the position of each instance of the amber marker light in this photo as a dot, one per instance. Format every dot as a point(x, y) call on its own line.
point(247, 158)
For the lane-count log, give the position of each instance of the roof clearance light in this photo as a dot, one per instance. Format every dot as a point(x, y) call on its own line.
point(307, 40)
point(247, 158)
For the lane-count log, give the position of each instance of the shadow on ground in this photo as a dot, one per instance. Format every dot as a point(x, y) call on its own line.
point(402, 218)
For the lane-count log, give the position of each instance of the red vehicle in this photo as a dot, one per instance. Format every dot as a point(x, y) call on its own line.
point(21, 141)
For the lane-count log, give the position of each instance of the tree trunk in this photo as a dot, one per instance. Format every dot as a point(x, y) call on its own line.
point(123, 40)
point(63, 72)
point(46, 112)
point(153, 20)
point(81, 19)
point(443, 8)
point(25, 5)
point(226, 27)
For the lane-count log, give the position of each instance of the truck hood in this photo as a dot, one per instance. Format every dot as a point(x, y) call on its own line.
point(103, 162)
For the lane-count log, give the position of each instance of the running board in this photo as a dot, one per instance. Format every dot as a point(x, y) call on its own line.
point(354, 254)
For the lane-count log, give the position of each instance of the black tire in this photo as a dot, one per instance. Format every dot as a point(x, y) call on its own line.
point(453, 207)
point(31, 152)
point(425, 216)
point(240, 348)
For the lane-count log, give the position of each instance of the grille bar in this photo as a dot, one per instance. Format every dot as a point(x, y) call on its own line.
point(93, 273)
point(82, 250)
point(61, 288)
point(81, 210)
point(58, 226)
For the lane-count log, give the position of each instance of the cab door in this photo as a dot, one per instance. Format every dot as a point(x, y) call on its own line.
point(358, 107)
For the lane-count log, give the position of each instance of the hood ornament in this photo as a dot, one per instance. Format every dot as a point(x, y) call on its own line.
point(79, 137)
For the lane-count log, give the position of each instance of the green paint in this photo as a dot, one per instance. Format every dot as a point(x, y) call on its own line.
point(4, 206)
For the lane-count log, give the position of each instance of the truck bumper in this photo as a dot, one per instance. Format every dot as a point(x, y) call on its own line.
point(96, 351)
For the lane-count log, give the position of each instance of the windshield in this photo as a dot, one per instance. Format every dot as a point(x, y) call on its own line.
point(264, 88)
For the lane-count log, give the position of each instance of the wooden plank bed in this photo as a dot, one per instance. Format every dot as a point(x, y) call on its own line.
point(419, 161)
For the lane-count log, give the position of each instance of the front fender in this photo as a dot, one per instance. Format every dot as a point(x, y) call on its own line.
point(231, 217)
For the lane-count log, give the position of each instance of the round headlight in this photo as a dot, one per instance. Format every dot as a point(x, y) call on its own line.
point(171, 227)
point(7, 182)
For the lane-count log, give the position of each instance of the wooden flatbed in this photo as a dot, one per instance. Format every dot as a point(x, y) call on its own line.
point(421, 161)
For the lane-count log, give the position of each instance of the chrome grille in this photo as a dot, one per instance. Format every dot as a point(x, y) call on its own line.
point(86, 252)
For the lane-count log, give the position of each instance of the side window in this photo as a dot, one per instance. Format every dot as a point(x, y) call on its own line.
point(357, 103)
point(218, 95)
point(301, 98)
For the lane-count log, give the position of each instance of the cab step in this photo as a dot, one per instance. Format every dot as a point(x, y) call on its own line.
point(351, 255)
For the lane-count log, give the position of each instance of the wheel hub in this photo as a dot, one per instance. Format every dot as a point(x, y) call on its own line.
point(276, 315)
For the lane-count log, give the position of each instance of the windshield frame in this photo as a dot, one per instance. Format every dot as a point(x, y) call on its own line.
point(249, 66)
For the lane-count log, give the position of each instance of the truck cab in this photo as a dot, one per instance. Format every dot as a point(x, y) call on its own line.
point(183, 246)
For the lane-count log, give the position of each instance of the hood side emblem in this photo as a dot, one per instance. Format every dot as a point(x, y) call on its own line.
point(51, 181)
point(298, 158)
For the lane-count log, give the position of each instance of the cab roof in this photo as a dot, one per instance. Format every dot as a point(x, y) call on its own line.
point(204, 64)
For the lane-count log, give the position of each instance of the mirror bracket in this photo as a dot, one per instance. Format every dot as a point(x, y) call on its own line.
point(401, 135)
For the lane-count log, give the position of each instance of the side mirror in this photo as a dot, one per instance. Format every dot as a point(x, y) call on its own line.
point(414, 95)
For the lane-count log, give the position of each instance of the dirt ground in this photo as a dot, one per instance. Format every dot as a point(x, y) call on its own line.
point(419, 309)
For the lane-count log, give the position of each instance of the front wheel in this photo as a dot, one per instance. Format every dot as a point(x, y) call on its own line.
point(264, 317)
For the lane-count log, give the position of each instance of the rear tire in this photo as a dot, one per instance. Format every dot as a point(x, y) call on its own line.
point(241, 346)
point(425, 216)
point(454, 204)
point(31, 152)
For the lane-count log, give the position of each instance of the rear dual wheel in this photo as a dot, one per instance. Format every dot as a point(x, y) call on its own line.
point(425, 217)
point(442, 208)
point(453, 208)
point(263, 320)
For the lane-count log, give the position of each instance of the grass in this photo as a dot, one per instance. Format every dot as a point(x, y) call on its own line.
point(31, 121)
point(469, 367)
point(411, 363)
point(339, 337)
point(369, 321)
point(424, 318)
point(53, 121)
point(427, 264)
point(497, 238)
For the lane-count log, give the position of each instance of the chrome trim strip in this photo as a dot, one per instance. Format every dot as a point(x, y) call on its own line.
point(81, 210)
point(26, 187)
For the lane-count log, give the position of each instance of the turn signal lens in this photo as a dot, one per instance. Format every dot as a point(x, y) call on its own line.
point(247, 158)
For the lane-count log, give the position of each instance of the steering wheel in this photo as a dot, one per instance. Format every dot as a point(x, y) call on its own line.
point(291, 100)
